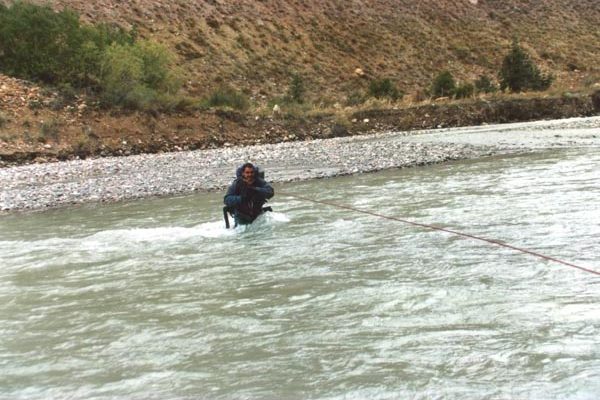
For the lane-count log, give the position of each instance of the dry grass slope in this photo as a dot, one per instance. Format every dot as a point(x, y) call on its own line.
point(257, 44)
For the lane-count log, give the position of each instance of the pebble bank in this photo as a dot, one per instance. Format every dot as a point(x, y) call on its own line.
point(43, 186)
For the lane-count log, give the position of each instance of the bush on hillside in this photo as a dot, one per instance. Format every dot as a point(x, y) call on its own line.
point(464, 90)
point(355, 98)
point(35, 42)
point(138, 75)
point(518, 72)
point(485, 85)
point(226, 96)
point(39, 44)
point(382, 88)
point(443, 85)
point(121, 74)
point(296, 90)
point(158, 70)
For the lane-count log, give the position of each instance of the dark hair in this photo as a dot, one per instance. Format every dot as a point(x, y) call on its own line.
point(249, 165)
point(241, 168)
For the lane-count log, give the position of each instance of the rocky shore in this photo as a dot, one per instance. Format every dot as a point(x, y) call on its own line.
point(111, 179)
point(41, 186)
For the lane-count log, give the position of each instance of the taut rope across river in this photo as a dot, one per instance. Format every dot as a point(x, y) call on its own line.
point(437, 228)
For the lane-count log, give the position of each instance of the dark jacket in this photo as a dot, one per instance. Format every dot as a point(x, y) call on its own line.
point(247, 201)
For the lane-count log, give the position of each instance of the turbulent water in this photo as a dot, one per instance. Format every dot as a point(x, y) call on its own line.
point(155, 299)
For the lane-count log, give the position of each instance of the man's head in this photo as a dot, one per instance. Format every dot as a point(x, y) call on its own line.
point(248, 173)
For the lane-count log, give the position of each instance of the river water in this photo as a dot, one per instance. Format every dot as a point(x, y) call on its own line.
point(154, 299)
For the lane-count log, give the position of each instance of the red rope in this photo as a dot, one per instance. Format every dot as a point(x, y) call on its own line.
point(533, 253)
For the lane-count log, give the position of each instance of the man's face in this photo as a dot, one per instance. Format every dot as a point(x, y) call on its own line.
point(248, 175)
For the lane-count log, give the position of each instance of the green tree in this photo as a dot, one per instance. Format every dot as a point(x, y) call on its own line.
point(518, 72)
point(443, 85)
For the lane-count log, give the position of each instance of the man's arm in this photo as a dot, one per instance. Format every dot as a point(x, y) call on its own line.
point(264, 189)
point(231, 198)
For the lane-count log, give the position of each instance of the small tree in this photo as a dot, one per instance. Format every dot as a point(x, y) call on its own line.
point(443, 85)
point(296, 89)
point(519, 73)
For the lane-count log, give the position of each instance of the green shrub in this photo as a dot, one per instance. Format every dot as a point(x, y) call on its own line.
point(121, 74)
point(355, 98)
point(464, 90)
point(36, 42)
point(381, 88)
point(84, 147)
point(39, 44)
point(138, 75)
point(484, 85)
point(518, 72)
point(226, 96)
point(158, 71)
point(296, 90)
point(175, 103)
point(443, 85)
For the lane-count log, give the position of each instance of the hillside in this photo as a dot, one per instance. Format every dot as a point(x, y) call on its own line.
point(256, 45)
point(336, 47)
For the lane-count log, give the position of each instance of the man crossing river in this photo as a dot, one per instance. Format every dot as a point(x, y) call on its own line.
point(247, 194)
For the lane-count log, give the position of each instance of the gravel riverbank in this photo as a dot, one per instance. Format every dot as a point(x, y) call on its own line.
point(42, 186)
